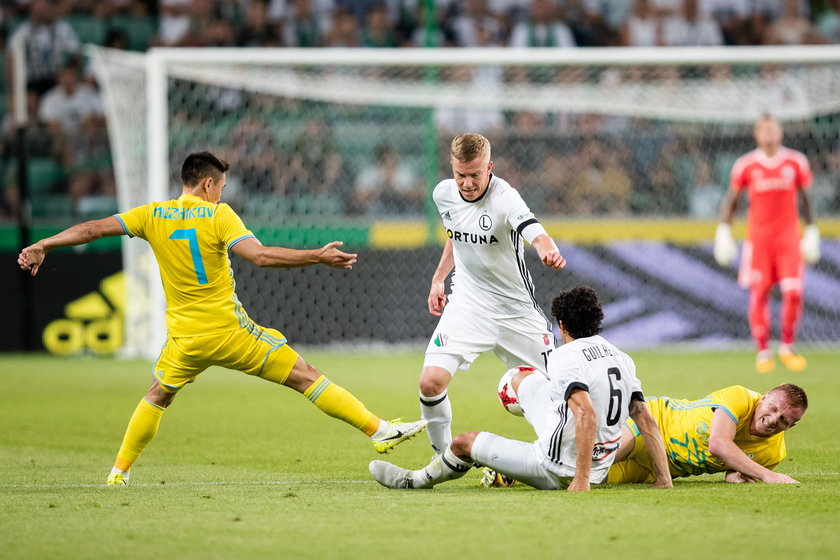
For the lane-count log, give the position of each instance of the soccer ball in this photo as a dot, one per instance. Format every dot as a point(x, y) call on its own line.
point(507, 395)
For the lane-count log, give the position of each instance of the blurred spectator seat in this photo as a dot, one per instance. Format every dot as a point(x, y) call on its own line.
point(318, 206)
point(265, 207)
point(51, 206)
point(43, 174)
point(723, 167)
point(96, 206)
point(138, 30)
point(90, 29)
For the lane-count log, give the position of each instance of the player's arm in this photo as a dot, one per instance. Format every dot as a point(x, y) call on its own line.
point(809, 246)
point(437, 292)
point(548, 252)
point(31, 258)
point(722, 445)
point(581, 406)
point(653, 441)
point(281, 257)
point(728, 206)
point(725, 249)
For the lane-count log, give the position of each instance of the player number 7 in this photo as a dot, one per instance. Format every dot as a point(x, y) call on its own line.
point(198, 264)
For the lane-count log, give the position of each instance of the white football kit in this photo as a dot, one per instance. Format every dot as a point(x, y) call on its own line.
point(492, 305)
point(590, 364)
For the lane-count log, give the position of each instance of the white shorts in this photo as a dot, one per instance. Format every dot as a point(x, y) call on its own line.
point(518, 459)
point(461, 336)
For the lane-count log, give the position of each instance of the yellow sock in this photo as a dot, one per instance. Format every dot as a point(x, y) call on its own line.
point(339, 403)
point(141, 429)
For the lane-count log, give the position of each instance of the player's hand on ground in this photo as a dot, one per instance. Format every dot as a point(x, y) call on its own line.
point(553, 259)
point(579, 485)
point(437, 298)
point(31, 258)
point(779, 478)
point(331, 255)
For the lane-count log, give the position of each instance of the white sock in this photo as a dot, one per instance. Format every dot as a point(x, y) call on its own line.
point(383, 428)
point(443, 467)
point(115, 470)
point(437, 411)
point(785, 349)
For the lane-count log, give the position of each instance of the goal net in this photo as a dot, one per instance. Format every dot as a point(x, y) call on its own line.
point(623, 153)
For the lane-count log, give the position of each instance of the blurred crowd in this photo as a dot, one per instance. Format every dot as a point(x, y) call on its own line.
point(70, 160)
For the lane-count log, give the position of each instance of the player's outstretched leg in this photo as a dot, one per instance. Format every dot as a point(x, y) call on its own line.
point(443, 467)
point(340, 403)
point(397, 433)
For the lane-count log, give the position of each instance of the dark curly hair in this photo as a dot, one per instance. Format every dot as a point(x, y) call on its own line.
point(200, 165)
point(579, 309)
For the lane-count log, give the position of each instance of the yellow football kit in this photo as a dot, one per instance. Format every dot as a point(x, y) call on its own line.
point(205, 321)
point(685, 427)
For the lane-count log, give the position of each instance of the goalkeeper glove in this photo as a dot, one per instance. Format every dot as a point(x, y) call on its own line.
point(809, 246)
point(725, 248)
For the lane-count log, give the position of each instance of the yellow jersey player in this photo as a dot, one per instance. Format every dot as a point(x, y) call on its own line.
point(734, 430)
point(206, 324)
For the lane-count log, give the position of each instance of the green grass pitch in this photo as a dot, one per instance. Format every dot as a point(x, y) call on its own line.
point(242, 468)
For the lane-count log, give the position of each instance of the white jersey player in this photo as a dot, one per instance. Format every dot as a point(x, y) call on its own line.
point(576, 409)
point(492, 305)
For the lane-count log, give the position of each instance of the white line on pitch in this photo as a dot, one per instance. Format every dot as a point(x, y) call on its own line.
point(193, 483)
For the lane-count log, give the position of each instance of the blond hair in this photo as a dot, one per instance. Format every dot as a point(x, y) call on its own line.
point(470, 146)
point(796, 396)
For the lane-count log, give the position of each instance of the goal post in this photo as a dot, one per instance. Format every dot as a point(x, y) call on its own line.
point(348, 143)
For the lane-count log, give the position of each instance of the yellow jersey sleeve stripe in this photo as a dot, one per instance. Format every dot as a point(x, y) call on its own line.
point(122, 223)
point(633, 427)
point(727, 411)
point(238, 239)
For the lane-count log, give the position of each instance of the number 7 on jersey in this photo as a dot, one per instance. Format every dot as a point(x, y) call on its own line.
point(192, 237)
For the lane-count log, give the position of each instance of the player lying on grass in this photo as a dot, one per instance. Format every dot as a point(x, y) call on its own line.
point(206, 324)
point(734, 430)
point(577, 411)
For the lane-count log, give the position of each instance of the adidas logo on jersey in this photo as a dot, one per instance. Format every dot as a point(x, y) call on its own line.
point(446, 215)
point(474, 238)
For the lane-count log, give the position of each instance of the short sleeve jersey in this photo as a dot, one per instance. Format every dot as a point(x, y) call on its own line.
point(685, 427)
point(772, 185)
point(190, 238)
point(594, 365)
point(488, 248)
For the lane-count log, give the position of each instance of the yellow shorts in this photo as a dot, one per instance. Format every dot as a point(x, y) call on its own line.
point(254, 350)
point(637, 467)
